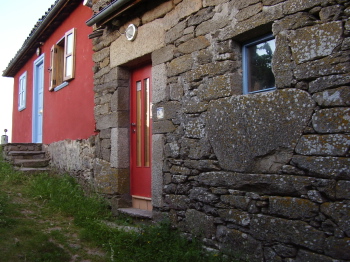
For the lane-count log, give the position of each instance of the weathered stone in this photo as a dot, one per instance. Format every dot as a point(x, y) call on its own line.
point(183, 9)
point(334, 97)
point(175, 33)
point(287, 231)
point(304, 255)
point(329, 65)
point(179, 65)
point(202, 165)
point(244, 3)
point(100, 55)
point(340, 213)
point(200, 224)
point(216, 87)
point(163, 55)
point(343, 190)
point(172, 109)
point(194, 148)
point(235, 216)
point(271, 255)
point(263, 131)
point(324, 38)
point(158, 12)
point(159, 83)
point(212, 69)
point(330, 13)
point(285, 251)
point(203, 195)
point(115, 119)
point(194, 127)
point(194, 106)
point(176, 91)
point(315, 196)
point(324, 145)
point(172, 149)
point(123, 51)
point(328, 82)
point(261, 184)
point(249, 11)
point(292, 208)
point(338, 248)
point(105, 133)
point(179, 170)
point(120, 99)
point(240, 202)
point(213, 2)
point(332, 120)
point(178, 179)
point(201, 16)
point(106, 87)
point(110, 180)
point(327, 167)
point(101, 109)
point(157, 170)
point(294, 21)
point(293, 6)
point(70, 155)
point(240, 243)
point(193, 45)
point(120, 148)
point(220, 19)
point(104, 63)
point(176, 201)
point(164, 126)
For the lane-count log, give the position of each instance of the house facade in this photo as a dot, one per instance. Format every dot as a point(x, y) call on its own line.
point(53, 81)
point(230, 119)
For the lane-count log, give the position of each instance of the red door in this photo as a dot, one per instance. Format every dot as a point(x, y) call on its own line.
point(141, 134)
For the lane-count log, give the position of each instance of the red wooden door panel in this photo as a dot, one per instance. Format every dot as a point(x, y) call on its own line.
point(141, 132)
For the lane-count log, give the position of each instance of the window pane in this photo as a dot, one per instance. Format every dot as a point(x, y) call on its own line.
point(69, 47)
point(138, 124)
point(69, 65)
point(260, 74)
point(147, 123)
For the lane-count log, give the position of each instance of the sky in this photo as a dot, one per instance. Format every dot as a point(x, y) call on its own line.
point(17, 18)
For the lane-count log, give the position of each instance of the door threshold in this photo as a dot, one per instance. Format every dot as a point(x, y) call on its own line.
point(136, 212)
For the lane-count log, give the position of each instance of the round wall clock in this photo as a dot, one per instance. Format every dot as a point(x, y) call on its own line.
point(131, 32)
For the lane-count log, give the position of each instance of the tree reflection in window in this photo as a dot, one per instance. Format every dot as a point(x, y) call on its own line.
point(257, 69)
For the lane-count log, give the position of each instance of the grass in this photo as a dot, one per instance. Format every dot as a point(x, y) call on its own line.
point(48, 217)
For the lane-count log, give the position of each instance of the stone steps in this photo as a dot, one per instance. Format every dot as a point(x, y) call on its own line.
point(26, 157)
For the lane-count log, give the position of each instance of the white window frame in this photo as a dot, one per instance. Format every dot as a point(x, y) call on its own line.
point(62, 59)
point(22, 91)
point(245, 64)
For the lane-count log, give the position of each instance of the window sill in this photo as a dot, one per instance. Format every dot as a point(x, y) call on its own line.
point(260, 91)
point(59, 87)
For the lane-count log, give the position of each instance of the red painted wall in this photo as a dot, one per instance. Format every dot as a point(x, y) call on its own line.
point(69, 112)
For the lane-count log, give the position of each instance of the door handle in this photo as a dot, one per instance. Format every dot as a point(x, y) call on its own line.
point(41, 112)
point(133, 124)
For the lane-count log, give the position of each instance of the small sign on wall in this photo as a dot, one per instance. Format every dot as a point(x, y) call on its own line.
point(160, 112)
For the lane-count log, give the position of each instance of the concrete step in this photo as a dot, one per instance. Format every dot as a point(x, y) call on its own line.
point(26, 154)
point(23, 147)
point(136, 213)
point(31, 162)
point(33, 170)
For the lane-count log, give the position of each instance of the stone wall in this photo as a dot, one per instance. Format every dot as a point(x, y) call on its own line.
point(262, 175)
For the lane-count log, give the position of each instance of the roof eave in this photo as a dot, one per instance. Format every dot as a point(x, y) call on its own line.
point(32, 40)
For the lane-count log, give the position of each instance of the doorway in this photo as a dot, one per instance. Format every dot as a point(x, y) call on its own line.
point(38, 100)
point(141, 138)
